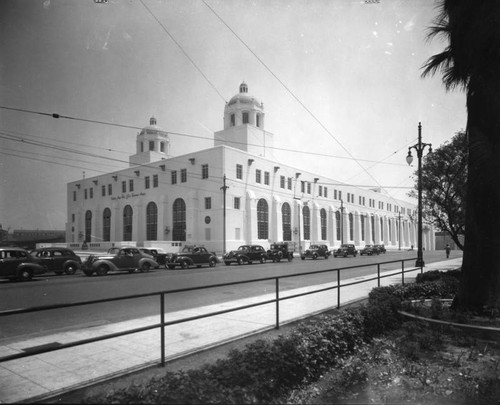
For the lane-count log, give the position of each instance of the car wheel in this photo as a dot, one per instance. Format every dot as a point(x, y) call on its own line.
point(326, 257)
point(184, 264)
point(315, 256)
point(212, 263)
point(25, 275)
point(227, 263)
point(303, 257)
point(263, 259)
point(70, 269)
point(278, 259)
point(239, 261)
point(145, 267)
point(102, 270)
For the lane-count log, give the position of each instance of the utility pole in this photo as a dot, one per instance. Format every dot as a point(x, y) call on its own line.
point(224, 188)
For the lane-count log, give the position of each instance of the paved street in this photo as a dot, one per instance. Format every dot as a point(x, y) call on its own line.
point(42, 376)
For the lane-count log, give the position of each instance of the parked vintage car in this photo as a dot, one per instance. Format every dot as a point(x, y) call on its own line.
point(278, 251)
point(246, 254)
point(369, 250)
point(58, 260)
point(18, 264)
point(192, 256)
point(158, 254)
point(119, 259)
point(345, 250)
point(315, 251)
point(381, 248)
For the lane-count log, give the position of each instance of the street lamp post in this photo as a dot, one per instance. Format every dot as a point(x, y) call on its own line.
point(419, 148)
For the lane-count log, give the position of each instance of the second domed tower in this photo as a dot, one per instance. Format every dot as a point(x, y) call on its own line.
point(244, 125)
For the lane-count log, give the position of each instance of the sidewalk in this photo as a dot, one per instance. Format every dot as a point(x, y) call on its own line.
point(37, 377)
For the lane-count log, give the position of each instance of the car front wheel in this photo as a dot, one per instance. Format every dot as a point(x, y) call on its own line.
point(212, 263)
point(184, 264)
point(102, 270)
point(145, 267)
point(70, 269)
point(239, 261)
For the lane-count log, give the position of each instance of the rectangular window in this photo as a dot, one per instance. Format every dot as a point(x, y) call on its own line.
point(162, 147)
point(302, 186)
point(320, 191)
point(174, 176)
point(334, 194)
point(72, 217)
point(146, 182)
point(340, 195)
point(124, 186)
point(308, 188)
point(236, 203)
point(208, 203)
point(131, 185)
point(239, 171)
point(85, 193)
point(282, 181)
point(257, 176)
point(74, 195)
point(245, 118)
point(155, 180)
point(110, 189)
point(91, 191)
point(233, 120)
point(266, 178)
point(151, 145)
point(325, 192)
point(103, 190)
point(289, 183)
point(184, 175)
point(204, 171)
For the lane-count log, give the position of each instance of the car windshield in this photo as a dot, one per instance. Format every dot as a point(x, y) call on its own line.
point(243, 248)
point(313, 247)
point(368, 246)
point(344, 246)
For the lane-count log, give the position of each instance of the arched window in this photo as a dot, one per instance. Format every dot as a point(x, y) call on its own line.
point(306, 213)
point(106, 225)
point(337, 224)
point(363, 227)
point(127, 222)
point(262, 219)
point(179, 220)
point(381, 229)
point(322, 215)
point(88, 226)
point(351, 226)
point(286, 218)
point(373, 228)
point(151, 221)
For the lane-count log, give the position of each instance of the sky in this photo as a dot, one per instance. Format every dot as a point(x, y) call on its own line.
point(340, 81)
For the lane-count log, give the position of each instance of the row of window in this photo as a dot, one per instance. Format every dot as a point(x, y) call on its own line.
point(151, 145)
point(179, 222)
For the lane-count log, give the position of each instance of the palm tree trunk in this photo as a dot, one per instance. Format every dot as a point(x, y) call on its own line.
point(480, 287)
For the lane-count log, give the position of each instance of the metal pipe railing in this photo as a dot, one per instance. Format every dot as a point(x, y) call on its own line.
point(163, 324)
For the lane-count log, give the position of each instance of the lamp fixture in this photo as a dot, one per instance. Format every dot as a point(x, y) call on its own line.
point(162, 167)
point(297, 175)
point(276, 168)
point(137, 173)
point(115, 178)
point(167, 230)
point(77, 186)
point(316, 179)
point(95, 182)
point(192, 160)
point(250, 161)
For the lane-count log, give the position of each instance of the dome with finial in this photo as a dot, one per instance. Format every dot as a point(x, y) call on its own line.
point(244, 97)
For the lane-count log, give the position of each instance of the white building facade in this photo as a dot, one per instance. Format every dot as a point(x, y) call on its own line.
point(232, 194)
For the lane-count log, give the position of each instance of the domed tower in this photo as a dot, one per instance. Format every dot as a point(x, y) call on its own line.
point(152, 144)
point(244, 125)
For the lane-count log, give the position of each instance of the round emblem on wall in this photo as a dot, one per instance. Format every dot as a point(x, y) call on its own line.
point(207, 219)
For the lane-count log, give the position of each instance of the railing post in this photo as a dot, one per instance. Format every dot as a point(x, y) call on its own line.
point(378, 274)
point(403, 272)
point(277, 303)
point(162, 329)
point(338, 288)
